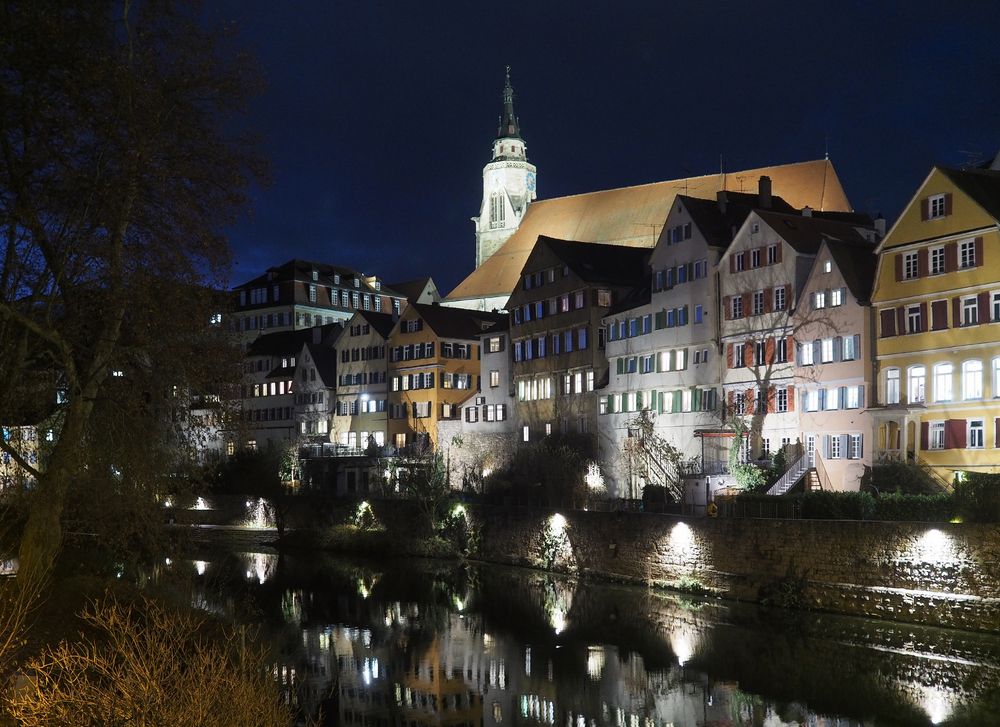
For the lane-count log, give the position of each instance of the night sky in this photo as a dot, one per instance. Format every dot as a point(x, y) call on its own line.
point(379, 116)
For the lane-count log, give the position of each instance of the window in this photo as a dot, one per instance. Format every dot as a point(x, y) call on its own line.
point(892, 386)
point(942, 381)
point(497, 212)
point(996, 378)
point(758, 302)
point(806, 351)
point(911, 266)
point(782, 400)
point(737, 306)
point(826, 350)
point(525, 433)
point(935, 206)
point(739, 262)
point(996, 307)
point(812, 400)
point(850, 348)
point(819, 299)
point(970, 311)
point(913, 323)
point(579, 299)
point(916, 384)
point(779, 298)
point(853, 397)
point(760, 353)
point(739, 355)
point(494, 379)
point(699, 315)
point(827, 266)
point(772, 254)
point(967, 254)
point(855, 444)
point(936, 438)
point(837, 297)
point(976, 432)
point(834, 447)
point(780, 350)
point(972, 380)
point(831, 399)
point(604, 298)
point(937, 260)
point(755, 258)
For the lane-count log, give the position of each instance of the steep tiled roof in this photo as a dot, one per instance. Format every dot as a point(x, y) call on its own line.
point(856, 262)
point(805, 234)
point(325, 358)
point(289, 343)
point(381, 322)
point(633, 216)
point(982, 185)
point(457, 322)
point(718, 226)
point(595, 263)
point(413, 289)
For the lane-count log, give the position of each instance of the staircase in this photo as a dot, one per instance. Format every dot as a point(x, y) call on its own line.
point(655, 459)
point(796, 472)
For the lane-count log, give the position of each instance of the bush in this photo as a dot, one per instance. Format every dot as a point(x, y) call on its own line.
point(750, 477)
point(144, 664)
point(825, 505)
point(925, 508)
point(977, 499)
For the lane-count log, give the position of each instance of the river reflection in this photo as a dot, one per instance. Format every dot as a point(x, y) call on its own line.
point(390, 644)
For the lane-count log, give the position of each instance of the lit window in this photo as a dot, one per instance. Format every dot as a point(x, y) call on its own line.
point(942, 382)
point(970, 311)
point(967, 254)
point(826, 350)
point(913, 322)
point(911, 267)
point(972, 380)
point(494, 379)
point(916, 384)
point(819, 299)
point(935, 206)
point(892, 386)
point(937, 260)
point(827, 266)
point(976, 434)
point(806, 352)
point(837, 297)
point(936, 430)
point(779, 298)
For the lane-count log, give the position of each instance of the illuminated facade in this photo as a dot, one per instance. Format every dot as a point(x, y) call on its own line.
point(937, 296)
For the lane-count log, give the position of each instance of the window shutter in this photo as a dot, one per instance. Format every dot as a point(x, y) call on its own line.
point(901, 320)
point(922, 267)
point(788, 291)
point(748, 353)
point(768, 299)
point(842, 397)
point(954, 434)
point(984, 307)
point(778, 256)
point(826, 446)
point(770, 398)
point(951, 257)
point(790, 348)
point(696, 400)
point(791, 393)
point(857, 346)
point(729, 401)
point(923, 316)
point(729, 356)
point(845, 440)
point(939, 315)
point(899, 266)
point(979, 251)
point(947, 203)
point(746, 305)
point(620, 366)
point(838, 349)
point(677, 402)
point(769, 351)
point(956, 311)
point(821, 398)
point(925, 209)
point(996, 432)
point(817, 351)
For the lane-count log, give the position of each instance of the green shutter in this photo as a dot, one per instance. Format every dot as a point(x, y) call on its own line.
point(661, 319)
point(620, 366)
point(696, 400)
point(677, 401)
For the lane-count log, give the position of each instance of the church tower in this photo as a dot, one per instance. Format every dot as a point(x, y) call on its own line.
point(508, 183)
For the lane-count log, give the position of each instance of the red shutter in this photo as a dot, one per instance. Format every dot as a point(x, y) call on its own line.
point(887, 318)
point(951, 257)
point(996, 432)
point(925, 209)
point(788, 293)
point(899, 266)
point(947, 203)
point(984, 307)
point(901, 320)
point(923, 317)
point(778, 256)
point(956, 312)
point(729, 401)
point(979, 252)
point(925, 436)
point(768, 299)
point(922, 267)
point(790, 349)
point(939, 315)
point(791, 398)
point(954, 434)
point(770, 397)
point(732, 263)
point(746, 305)
point(729, 356)
point(769, 351)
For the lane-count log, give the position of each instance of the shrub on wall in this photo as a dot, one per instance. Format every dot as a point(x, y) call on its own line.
point(838, 505)
point(926, 508)
point(977, 499)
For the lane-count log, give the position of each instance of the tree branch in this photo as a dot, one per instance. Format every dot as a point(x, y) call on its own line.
point(19, 459)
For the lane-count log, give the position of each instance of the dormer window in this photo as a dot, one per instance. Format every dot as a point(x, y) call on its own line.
point(336, 278)
point(315, 275)
point(935, 206)
point(357, 283)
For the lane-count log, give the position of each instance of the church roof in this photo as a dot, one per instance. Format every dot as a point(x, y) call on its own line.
point(634, 216)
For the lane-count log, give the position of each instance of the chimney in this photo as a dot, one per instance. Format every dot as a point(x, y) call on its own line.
point(807, 211)
point(880, 226)
point(722, 200)
point(764, 192)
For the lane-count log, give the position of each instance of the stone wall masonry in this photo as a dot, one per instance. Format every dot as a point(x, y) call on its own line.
point(947, 575)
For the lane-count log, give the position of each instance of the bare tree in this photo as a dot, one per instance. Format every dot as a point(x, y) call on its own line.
point(116, 177)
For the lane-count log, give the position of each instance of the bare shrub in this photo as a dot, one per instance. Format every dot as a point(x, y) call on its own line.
point(146, 666)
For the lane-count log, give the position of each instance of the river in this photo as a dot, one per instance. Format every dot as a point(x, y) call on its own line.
point(432, 643)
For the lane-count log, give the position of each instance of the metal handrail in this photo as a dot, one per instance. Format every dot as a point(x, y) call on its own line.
point(824, 476)
point(792, 475)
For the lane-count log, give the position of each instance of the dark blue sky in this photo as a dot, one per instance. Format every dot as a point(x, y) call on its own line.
point(378, 116)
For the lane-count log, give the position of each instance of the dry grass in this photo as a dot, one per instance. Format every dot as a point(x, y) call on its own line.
point(146, 666)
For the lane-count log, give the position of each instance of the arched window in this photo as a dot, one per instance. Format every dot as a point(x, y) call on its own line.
point(943, 381)
point(892, 386)
point(972, 380)
point(916, 384)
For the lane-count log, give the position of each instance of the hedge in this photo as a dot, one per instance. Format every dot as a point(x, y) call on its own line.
point(980, 498)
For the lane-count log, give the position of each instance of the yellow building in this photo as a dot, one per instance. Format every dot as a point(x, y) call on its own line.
point(937, 299)
point(433, 369)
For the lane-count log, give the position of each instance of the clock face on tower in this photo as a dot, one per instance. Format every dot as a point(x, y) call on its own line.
point(529, 181)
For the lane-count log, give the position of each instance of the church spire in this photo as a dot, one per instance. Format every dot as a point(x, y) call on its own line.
point(509, 128)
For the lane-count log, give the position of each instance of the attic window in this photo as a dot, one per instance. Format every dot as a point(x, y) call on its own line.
point(315, 275)
point(336, 278)
point(935, 207)
point(755, 228)
point(827, 266)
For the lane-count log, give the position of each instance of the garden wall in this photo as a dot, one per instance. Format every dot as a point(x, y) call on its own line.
point(942, 574)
